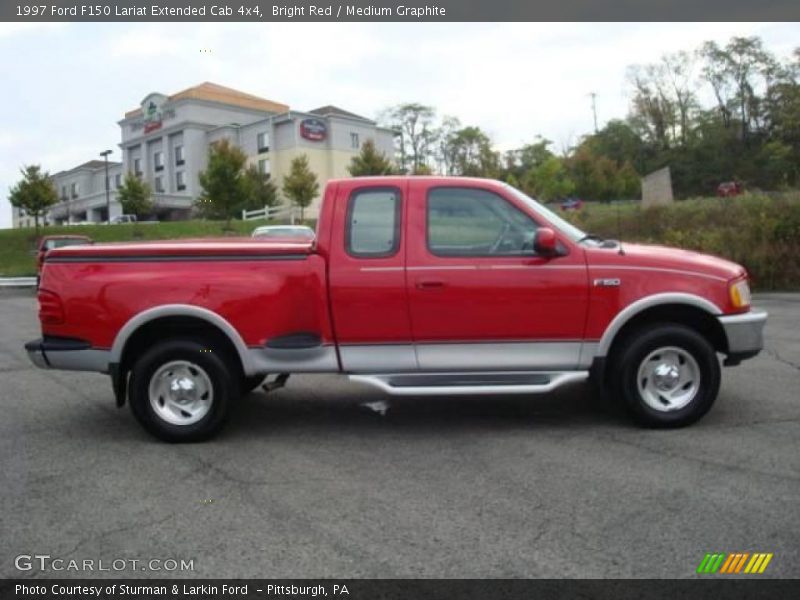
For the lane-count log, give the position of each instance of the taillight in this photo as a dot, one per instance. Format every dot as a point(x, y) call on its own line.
point(51, 311)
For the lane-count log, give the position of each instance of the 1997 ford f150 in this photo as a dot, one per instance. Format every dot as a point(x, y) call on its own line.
point(428, 285)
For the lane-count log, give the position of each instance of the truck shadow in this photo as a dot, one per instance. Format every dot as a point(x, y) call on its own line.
point(363, 410)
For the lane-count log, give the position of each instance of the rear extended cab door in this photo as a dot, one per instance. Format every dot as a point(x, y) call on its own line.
point(367, 278)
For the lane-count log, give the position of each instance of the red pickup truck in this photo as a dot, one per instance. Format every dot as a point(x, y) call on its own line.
point(422, 285)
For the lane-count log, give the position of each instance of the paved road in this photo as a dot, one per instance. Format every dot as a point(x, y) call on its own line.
point(307, 482)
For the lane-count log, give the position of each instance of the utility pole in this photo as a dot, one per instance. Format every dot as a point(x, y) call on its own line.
point(105, 154)
point(594, 109)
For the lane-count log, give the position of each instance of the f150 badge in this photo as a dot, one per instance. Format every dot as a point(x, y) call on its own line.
point(606, 282)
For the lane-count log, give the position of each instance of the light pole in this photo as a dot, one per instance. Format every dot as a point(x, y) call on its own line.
point(108, 194)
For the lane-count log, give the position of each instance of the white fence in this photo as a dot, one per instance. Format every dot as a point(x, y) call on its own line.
point(270, 212)
point(17, 281)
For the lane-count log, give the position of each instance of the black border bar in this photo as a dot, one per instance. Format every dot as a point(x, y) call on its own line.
point(729, 588)
point(398, 10)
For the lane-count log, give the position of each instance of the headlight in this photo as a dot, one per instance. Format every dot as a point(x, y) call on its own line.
point(740, 294)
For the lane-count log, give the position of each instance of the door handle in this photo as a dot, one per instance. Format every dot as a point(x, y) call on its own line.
point(429, 284)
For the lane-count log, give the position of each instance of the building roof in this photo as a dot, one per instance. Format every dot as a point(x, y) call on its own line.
point(224, 95)
point(330, 110)
point(91, 165)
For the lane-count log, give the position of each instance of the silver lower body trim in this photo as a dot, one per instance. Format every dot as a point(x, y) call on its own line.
point(461, 356)
point(90, 359)
point(451, 384)
point(745, 332)
point(319, 359)
point(499, 356)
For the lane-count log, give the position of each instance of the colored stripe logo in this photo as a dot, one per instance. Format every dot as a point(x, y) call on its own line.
point(734, 563)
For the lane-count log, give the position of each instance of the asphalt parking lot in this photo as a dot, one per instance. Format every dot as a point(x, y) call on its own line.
point(307, 482)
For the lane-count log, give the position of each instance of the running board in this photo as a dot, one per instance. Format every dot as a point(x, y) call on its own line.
point(446, 384)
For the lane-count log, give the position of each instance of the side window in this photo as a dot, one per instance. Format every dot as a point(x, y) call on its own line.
point(373, 223)
point(471, 222)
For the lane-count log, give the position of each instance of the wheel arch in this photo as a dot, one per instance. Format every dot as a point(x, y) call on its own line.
point(687, 309)
point(142, 328)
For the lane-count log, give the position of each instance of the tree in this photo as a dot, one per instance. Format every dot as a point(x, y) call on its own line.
point(618, 141)
point(679, 72)
point(370, 161)
point(444, 147)
point(300, 185)
point(472, 153)
point(652, 110)
point(135, 196)
point(261, 191)
point(520, 161)
point(225, 188)
point(34, 194)
point(600, 178)
point(415, 123)
point(550, 180)
point(716, 74)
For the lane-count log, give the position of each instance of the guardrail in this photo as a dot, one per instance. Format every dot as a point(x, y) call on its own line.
point(269, 212)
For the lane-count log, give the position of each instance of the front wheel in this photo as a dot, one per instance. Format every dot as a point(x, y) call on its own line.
point(182, 392)
point(666, 376)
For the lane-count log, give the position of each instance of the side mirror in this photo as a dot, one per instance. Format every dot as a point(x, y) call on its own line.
point(545, 242)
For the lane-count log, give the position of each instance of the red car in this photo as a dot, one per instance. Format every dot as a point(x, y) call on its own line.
point(729, 188)
point(572, 204)
point(49, 242)
point(420, 285)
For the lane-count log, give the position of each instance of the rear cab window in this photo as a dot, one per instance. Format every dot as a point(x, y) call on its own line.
point(373, 223)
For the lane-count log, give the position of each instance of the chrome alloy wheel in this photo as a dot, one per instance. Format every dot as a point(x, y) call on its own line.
point(181, 392)
point(668, 379)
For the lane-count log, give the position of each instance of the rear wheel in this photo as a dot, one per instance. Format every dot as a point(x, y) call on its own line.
point(667, 375)
point(181, 392)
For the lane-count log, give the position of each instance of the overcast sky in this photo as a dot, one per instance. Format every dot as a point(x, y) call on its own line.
point(65, 86)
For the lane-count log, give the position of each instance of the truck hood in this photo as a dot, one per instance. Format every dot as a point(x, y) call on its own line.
point(236, 246)
point(664, 257)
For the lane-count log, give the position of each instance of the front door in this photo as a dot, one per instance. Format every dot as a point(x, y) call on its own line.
point(479, 296)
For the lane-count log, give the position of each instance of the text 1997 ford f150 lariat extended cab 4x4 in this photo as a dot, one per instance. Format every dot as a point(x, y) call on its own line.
point(423, 285)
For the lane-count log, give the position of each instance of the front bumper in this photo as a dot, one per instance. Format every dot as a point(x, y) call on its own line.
point(68, 354)
point(744, 333)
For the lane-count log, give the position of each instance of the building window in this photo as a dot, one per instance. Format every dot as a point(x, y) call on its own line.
point(159, 182)
point(137, 167)
point(354, 142)
point(263, 141)
point(118, 180)
point(264, 166)
point(180, 182)
point(75, 190)
point(64, 193)
point(179, 160)
point(158, 161)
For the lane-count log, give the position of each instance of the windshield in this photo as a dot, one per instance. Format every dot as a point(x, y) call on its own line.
point(556, 221)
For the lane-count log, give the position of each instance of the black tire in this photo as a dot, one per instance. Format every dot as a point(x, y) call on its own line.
point(215, 369)
point(623, 376)
point(250, 383)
